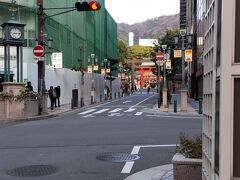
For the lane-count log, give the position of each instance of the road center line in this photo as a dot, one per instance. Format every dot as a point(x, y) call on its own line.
point(141, 102)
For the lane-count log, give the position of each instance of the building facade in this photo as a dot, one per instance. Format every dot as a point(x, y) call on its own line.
point(76, 34)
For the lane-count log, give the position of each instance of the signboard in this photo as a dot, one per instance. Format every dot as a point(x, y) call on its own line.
point(38, 51)
point(108, 70)
point(89, 69)
point(57, 60)
point(102, 71)
point(95, 67)
point(188, 55)
point(177, 53)
point(160, 56)
point(168, 64)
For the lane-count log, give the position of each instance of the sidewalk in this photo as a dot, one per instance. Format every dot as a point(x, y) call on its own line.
point(164, 172)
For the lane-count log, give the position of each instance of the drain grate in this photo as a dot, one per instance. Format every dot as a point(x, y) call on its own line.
point(118, 157)
point(32, 171)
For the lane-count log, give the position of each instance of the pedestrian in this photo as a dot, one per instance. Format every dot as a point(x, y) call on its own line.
point(29, 87)
point(52, 95)
point(148, 89)
point(58, 94)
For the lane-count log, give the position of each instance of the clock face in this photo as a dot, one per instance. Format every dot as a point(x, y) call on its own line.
point(15, 33)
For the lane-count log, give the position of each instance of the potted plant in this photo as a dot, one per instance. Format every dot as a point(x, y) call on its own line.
point(187, 162)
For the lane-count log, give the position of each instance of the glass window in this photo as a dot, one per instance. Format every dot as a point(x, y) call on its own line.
point(236, 127)
point(237, 32)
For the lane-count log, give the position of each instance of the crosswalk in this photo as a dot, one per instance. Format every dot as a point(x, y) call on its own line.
point(110, 112)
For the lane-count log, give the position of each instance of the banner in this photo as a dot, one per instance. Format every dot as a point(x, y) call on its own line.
point(95, 68)
point(102, 71)
point(188, 55)
point(168, 64)
point(89, 69)
point(108, 70)
point(177, 53)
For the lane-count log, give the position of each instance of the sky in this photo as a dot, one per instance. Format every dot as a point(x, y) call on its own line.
point(134, 11)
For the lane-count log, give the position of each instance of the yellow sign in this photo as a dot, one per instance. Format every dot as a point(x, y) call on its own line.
point(188, 55)
point(168, 64)
point(177, 53)
point(89, 69)
point(102, 71)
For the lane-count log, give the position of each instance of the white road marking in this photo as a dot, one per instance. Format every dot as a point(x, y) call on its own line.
point(138, 114)
point(129, 165)
point(89, 115)
point(141, 102)
point(178, 117)
point(115, 114)
point(115, 110)
point(126, 102)
point(100, 111)
point(86, 112)
point(130, 110)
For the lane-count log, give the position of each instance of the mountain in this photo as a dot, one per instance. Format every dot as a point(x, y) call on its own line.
point(149, 29)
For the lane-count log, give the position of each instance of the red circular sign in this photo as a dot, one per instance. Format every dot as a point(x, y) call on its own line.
point(38, 51)
point(160, 56)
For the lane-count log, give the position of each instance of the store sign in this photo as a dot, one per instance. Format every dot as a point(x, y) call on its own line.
point(57, 60)
point(188, 55)
point(177, 53)
point(95, 67)
point(168, 64)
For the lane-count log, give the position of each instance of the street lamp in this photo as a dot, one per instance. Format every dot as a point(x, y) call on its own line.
point(93, 59)
point(164, 95)
point(183, 85)
point(121, 68)
point(158, 83)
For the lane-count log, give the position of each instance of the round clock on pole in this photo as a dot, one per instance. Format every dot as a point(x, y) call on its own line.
point(13, 35)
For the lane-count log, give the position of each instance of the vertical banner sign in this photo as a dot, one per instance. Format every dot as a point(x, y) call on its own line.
point(102, 71)
point(57, 60)
point(177, 53)
point(188, 55)
point(168, 64)
point(89, 69)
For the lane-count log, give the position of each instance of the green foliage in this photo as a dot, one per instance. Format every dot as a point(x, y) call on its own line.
point(122, 51)
point(138, 52)
point(190, 147)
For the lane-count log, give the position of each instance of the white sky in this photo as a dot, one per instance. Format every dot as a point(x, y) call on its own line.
point(133, 11)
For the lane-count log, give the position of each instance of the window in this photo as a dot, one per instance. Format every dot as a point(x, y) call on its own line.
point(237, 32)
point(217, 102)
point(236, 127)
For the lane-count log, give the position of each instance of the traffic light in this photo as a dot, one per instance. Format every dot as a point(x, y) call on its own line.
point(85, 6)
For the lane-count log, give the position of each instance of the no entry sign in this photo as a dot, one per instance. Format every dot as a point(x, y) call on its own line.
point(38, 51)
point(160, 56)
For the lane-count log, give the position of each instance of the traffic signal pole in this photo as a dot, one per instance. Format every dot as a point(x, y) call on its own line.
point(41, 64)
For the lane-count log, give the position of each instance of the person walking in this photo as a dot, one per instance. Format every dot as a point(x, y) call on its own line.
point(58, 94)
point(52, 96)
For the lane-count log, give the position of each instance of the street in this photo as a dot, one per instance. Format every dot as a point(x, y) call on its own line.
point(94, 143)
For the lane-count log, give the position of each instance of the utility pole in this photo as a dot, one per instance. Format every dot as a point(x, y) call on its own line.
point(41, 64)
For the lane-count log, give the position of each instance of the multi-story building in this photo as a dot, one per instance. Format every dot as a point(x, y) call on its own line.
point(76, 34)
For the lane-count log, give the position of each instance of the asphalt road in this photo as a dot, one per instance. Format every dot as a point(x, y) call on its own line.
point(72, 144)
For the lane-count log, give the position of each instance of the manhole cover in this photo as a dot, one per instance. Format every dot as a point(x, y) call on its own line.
point(118, 157)
point(32, 171)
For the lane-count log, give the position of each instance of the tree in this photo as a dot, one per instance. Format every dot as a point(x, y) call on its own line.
point(138, 52)
point(122, 51)
point(168, 39)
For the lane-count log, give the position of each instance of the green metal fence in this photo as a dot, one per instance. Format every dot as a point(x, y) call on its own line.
point(76, 34)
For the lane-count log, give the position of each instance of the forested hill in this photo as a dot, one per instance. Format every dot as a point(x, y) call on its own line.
point(149, 29)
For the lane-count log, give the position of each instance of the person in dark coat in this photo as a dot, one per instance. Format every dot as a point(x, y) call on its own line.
point(52, 95)
point(58, 93)
point(29, 86)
